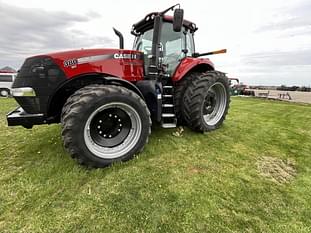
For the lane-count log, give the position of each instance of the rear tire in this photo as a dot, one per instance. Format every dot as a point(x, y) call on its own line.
point(179, 92)
point(102, 125)
point(206, 101)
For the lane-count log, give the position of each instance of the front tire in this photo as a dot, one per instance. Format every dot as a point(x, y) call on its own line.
point(102, 125)
point(206, 101)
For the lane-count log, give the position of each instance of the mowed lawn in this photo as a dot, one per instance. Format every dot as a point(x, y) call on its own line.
point(251, 175)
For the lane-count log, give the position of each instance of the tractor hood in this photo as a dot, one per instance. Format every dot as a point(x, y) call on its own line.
point(74, 57)
point(110, 62)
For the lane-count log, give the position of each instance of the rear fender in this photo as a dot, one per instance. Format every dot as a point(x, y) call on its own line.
point(190, 64)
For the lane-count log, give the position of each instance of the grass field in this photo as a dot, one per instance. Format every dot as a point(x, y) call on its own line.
point(251, 175)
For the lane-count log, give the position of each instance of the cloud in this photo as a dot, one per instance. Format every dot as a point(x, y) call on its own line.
point(291, 18)
point(276, 67)
point(30, 31)
point(281, 58)
point(281, 53)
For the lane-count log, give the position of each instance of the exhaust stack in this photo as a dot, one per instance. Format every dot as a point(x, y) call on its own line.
point(121, 39)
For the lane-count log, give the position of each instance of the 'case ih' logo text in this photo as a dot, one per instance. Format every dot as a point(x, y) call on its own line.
point(125, 56)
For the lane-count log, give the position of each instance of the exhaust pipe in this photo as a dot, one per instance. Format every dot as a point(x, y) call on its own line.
point(121, 40)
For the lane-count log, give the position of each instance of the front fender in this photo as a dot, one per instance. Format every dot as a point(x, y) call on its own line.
point(60, 94)
point(125, 83)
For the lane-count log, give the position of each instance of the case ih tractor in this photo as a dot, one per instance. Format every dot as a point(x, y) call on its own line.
point(107, 99)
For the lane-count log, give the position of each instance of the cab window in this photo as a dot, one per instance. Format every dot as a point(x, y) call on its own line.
point(189, 44)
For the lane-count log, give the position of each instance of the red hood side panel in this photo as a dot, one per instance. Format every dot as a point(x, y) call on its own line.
point(126, 64)
point(187, 64)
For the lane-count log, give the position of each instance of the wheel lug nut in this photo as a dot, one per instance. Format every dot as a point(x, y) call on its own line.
point(119, 119)
point(100, 121)
point(119, 130)
point(98, 127)
point(115, 116)
point(120, 125)
point(110, 115)
point(100, 132)
point(105, 135)
point(110, 136)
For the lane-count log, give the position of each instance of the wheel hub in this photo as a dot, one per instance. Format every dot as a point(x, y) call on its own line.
point(209, 103)
point(110, 127)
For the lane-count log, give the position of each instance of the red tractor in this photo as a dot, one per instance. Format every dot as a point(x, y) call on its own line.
point(107, 99)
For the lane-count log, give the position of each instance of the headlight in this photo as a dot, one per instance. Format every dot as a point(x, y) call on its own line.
point(23, 91)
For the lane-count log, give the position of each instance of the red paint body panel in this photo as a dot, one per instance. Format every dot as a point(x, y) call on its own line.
point(187, 64)
point(128, 69)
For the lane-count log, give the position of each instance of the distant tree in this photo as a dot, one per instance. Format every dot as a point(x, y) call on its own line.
point(294, 88)
point(304, 88)
point(282, 88)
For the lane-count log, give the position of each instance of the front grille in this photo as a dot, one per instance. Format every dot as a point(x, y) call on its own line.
point(43, 81)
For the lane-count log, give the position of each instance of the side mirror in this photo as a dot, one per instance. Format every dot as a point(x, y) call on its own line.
point(178, 19)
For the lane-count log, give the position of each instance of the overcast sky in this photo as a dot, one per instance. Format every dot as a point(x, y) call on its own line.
point(268, 42)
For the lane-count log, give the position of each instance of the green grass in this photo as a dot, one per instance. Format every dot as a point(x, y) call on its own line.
point(194, 183)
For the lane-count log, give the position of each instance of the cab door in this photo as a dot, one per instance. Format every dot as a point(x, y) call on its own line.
point(175, 46)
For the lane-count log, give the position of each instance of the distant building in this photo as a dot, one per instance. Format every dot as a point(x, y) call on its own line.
point(8, 68)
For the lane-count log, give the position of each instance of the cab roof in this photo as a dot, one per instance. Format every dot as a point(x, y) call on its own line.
point(147, 23)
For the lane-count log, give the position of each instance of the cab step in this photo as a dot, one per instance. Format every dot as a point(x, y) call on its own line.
point(169, 119)
point(168, 96)
point(168, 115)
point(167, 105)
point(168, 125)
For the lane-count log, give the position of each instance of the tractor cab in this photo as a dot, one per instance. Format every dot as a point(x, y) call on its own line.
point(174, 46)
point(164, 40)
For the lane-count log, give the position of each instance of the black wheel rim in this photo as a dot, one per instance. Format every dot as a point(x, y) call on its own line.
point(215, 104)
point(120, 142)
point(110, 127)
point(209, 102)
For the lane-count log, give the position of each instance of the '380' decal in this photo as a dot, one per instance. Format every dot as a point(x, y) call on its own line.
point(71, 62)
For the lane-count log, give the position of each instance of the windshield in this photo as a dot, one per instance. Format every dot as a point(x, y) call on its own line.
point(143, 43)
point(171, 41)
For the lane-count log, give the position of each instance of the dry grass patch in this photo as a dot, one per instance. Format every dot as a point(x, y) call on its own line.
point(276, 169)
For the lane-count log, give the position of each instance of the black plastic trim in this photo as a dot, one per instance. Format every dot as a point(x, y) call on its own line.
point(151, 89)
point(27, 120)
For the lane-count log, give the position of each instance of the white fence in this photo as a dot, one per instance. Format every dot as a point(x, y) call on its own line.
point(293, 96)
